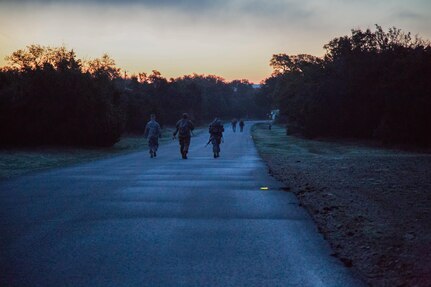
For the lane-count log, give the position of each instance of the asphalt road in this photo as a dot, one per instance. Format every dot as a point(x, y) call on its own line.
point(136, 221)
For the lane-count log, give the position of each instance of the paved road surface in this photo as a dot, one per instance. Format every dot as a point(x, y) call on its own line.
point(136, 221)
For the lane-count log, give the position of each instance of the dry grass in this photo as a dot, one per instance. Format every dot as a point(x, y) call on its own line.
point(372, 204)
point(19, 161)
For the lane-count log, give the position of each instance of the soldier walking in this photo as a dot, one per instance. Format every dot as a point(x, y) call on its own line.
point(216, 130)
point(184, 128)
point(241, 125)
point(234, 122)
point(153, 133)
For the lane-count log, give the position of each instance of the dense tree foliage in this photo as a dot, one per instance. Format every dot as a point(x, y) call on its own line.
point(202, 97)
point(48, 96)
point(371, 84)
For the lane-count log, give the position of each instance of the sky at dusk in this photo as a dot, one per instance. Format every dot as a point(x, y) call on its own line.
point(234, 39)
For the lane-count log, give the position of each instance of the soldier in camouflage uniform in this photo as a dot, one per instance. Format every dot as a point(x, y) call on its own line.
point(153, 133)
point(184, 128)
point(216, 130)
point(241, 125)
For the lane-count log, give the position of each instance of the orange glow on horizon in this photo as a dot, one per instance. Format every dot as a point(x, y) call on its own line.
point(233, 40)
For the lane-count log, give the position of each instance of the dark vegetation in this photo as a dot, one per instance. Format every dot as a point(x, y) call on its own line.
point(371, 84)
point(50, 97)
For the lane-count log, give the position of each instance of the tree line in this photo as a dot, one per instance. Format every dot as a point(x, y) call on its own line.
point(49, 96)
point(370, 84)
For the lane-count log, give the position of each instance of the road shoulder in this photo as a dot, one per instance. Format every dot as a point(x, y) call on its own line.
point(371, 204)
point(19, 161)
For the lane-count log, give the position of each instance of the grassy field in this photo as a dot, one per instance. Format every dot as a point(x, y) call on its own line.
point(275, 141)
point(15, 162)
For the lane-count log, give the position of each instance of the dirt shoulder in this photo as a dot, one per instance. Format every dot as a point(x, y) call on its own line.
point(372, 204)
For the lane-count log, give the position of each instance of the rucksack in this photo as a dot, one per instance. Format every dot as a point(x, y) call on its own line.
point(216, 128)
point(184, 129)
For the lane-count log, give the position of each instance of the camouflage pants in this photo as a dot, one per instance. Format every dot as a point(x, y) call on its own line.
point(153, 143)
point(216, 140)
point(184, 144)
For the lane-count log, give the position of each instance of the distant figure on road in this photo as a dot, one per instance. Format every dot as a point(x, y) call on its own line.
point(216, 130)
point(184, 131)
point(241, 125)
point(234, 122)
point(153, 133)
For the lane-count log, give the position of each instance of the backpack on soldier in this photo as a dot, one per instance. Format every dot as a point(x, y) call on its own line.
point(184, 129)
point(216, 128)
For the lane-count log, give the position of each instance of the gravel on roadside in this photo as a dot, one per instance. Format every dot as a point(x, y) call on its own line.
point(372, 204)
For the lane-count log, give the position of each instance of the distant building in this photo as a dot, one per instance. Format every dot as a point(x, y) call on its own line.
point(274, 114)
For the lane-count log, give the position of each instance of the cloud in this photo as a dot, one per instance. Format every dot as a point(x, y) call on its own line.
point(233, 38)
point(241, 8)
point(292, 9)
point(410, 15)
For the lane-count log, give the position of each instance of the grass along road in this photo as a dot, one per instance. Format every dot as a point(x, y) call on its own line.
point(372, 204)
point(19, 161)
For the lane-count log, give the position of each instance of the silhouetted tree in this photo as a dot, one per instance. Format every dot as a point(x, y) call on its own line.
point(369, 84)
point(47, 98)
